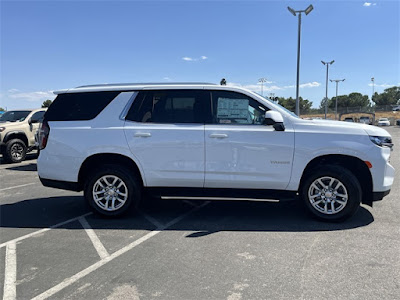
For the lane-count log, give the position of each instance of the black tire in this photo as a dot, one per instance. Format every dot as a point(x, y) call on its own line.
point(131, 186)
point(15, 151)
point(329, 206)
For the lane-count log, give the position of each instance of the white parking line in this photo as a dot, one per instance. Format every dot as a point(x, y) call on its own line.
point(17, 186)
point(190, 203)
point(152, 220)
point(10, 278)
point(42, 230)
point(101, 250)
point(68, 281)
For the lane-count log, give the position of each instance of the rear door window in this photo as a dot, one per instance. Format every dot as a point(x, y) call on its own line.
point(79, 106)
point(170, 107)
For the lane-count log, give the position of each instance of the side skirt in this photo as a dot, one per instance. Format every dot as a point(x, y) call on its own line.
point(168, 193)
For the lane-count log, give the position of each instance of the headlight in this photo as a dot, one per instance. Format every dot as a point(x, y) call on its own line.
point(2, 129)
point(382, 141)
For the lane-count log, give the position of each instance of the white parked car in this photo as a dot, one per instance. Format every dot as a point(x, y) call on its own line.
point(383, 122)
point(207, 142)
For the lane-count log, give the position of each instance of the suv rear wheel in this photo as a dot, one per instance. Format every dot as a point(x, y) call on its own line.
point(15, 151)
point(112, 189)
point(332, 193)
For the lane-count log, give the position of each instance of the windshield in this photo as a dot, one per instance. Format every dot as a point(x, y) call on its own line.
point(14, 116)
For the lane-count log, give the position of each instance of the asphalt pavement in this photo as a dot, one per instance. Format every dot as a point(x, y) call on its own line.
point(53, 247)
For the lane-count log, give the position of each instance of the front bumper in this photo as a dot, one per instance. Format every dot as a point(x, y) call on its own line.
point(377, 196)
point(63, 185)
point(2, 147)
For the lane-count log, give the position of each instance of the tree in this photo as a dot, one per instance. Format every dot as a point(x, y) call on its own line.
point(290, 104)
point(390, 96)
point(322, 104)
point(2, 109)
point(351, 100)
point(47, 103)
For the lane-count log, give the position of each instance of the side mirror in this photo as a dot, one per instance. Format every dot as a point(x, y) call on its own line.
point(30, 121)
point(275, 119)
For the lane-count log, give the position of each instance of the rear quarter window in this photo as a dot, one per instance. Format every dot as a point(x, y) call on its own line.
point(79, 106)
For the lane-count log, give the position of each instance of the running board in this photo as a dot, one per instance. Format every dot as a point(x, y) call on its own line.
point(216, 198)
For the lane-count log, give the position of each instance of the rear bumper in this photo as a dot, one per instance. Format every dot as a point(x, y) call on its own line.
point(63, 185)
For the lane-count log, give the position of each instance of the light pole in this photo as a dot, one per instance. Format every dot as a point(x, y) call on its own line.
point(262, 80)
point(294, 12)
point(337, 83)
point(326, 91)
point(272, 96)
point(373, 87)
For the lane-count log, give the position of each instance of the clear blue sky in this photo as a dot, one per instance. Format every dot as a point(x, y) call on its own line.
point(50, 45)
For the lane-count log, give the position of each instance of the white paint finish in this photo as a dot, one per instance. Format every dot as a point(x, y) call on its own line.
point(101, 250)
point(170, 155)
point(10, 278)
point(318, 138)
point(251, 156)
point(71, 142)
point(43, 230)
point(177, 156)
point(17, 186)
point(68, 281)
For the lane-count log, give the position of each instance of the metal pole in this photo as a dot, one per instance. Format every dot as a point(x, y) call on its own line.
point(262, 88)
point(326, 91)
point(337, 83)
point(373, 88)
point(298, 69)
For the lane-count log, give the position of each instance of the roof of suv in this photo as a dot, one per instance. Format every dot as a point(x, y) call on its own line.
point(134, 86)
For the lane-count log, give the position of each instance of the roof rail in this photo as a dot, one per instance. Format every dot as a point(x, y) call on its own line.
point(141, 84)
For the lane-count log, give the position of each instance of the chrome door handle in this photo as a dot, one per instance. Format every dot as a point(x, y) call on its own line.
point(218, 135)
point(142, 134)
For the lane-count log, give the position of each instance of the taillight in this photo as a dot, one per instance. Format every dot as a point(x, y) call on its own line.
point(44, 131)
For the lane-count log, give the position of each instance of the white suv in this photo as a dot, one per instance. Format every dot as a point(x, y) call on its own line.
point(205, 141)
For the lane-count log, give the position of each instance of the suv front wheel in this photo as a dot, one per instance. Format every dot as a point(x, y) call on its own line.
point(112, 189)
point(331, 193)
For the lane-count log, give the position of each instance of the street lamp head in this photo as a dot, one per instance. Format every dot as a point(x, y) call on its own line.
point(332, 62)
point(343, 79)
point(323, 62)
point(331, 80)
point(292, 10)
point(309, 9)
